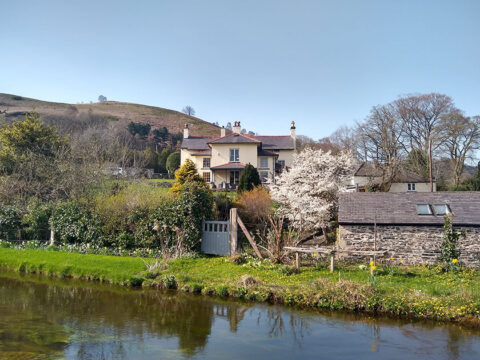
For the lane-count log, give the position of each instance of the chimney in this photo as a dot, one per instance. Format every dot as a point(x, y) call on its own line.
point(236, 127)
point(293, 134)
point(185, 132)
point(222, 131)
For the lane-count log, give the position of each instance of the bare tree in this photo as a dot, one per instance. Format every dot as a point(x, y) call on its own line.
point(461, 137)
point(188, 110)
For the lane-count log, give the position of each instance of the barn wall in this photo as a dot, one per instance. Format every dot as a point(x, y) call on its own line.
point(413, 245)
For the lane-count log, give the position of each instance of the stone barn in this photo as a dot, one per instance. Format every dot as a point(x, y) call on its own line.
point(409, 226)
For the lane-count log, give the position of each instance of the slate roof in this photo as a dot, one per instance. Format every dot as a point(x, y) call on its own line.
point(203, 153)
point(263, 152)
point(268, 142)
point(197, 143)
point(400, 208)
point(283, 142)
point(235, 138)
point(367, 169)
point(229, 166)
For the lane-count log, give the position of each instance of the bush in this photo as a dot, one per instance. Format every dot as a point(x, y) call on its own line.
point(255, 205)
point(36, 221)
point(10, 223)
point(449, 249)
point(173, 162)
point(73, 223)
point(186, 174)
point(249, 179)
point(179, 222)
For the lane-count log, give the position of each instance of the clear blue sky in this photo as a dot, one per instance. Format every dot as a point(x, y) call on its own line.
point(264, 63)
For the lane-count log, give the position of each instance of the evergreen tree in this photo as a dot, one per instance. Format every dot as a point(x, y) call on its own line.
point(162, 161)
point(173, 162)
point(186, 174)
point(249, 179)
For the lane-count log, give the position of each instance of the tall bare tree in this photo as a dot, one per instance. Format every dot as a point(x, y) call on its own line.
point(422, 115)
point(461, 137)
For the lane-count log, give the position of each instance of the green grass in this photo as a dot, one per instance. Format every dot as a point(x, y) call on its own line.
point(161, 180)
point(112, 269)
point(405, 291)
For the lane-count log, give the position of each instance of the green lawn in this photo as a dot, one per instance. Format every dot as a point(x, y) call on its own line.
point(413, 291)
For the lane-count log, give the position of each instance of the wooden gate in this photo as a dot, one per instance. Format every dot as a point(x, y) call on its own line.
point(216, 237)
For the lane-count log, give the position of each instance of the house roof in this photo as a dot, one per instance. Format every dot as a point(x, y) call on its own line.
point(268, 142)
point(229, 166)
point(283, 142)
point(400, 208)
point(403, 175)
point(235, 138)
point(203, 153)
point(263, 152)
point(197, 143)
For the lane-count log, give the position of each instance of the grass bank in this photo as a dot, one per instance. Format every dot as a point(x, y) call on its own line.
point(400, 291)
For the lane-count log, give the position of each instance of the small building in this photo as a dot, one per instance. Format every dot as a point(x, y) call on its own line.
point(220, 160)
point(368, 175)
point(409, 226)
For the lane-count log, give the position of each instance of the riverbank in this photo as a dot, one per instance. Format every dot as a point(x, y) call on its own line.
point(400, 291)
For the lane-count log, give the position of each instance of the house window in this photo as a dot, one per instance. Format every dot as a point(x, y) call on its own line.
point(206, 163)
point(206, 176)
point(264, 176)
point(234, 177)
point(442, 209)
point(234, 155)
point(264, 163)
point(424, 209)
point(411, 187)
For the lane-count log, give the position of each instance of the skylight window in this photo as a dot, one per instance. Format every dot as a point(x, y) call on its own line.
point(424, 209)
point(442, 209)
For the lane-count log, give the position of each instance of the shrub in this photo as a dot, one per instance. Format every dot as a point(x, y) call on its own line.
point(36, 221)
point(186, 174)
point(10, 222)
point(255, 205)
point(173, 162)
point(123, 208)
point(170, 282)
point(178, 222)
point(249, 179)
point(449, 249)
point(73, 223)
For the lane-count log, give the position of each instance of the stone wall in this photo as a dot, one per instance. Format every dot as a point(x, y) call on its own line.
point(413, 245)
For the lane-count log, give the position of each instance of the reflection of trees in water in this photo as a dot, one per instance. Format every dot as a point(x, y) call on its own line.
point(41, 318)
point(297, 325)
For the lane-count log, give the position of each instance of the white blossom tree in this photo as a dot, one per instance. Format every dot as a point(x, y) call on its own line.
point(309, 191)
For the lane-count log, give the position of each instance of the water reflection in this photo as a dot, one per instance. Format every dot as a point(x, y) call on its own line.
point(46, 319)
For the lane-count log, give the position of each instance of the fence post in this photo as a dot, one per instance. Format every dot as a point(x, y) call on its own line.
point(52, 237)
point(233, 231)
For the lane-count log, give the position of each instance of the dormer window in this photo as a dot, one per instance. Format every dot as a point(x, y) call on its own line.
point(234, 155)
point(442, 209)
point(411, 187)
point(424, 209)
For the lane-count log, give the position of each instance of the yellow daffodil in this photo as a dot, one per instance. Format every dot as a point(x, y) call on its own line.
point(374, 267)
point(391, 258)
point(314, 254)
point(454, 261)
point(372, 263)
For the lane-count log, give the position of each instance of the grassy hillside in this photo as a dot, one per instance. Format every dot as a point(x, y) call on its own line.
point(16, 107)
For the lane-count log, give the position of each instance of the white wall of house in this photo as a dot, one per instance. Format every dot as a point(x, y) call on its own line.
point(221, 153)
point(287, 156)
point(419, 187)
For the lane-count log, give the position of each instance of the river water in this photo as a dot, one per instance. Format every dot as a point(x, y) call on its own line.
point(62, 319)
